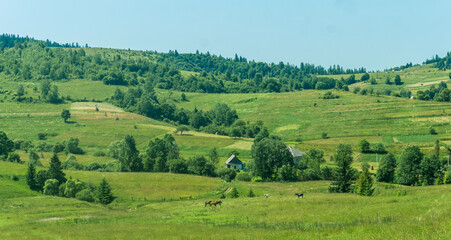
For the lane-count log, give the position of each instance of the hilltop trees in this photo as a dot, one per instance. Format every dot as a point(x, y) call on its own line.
point(343, 172)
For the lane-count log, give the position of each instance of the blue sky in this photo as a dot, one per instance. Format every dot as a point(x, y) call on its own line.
point(372, 34)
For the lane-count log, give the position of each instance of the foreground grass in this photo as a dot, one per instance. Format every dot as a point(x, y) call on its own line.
point(418, 213)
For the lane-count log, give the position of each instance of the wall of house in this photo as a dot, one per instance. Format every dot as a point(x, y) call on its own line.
point(238, 166)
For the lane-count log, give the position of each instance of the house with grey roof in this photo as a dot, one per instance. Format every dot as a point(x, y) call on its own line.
point(296, 154)
point(234, 163)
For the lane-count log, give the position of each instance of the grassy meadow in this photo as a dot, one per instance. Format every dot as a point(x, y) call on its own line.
point(395, 211)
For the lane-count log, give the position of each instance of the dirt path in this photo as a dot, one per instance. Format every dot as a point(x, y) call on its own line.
point(425, 84)
point(229, 189)
point(395, 140)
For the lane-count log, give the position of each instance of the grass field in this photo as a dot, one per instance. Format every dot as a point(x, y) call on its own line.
point(398, 212)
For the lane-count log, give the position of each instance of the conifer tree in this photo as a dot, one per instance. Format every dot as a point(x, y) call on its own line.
point(31, 177)
point(251, 193)
point(364, 185)
point(55, 169)
point(234, 193)
point(343, 174)
point(104, 194)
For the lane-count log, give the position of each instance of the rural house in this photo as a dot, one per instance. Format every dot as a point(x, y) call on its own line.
point(296, 154)
point(234, 163)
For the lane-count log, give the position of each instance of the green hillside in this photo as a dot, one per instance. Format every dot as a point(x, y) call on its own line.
point(126, 111)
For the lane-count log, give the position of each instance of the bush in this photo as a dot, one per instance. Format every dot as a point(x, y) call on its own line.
point(85, 195)
point(327, 173)
point(177, 166)
point(324, 135)
point(99, 154)
point(226, 174)
point(51, 187)
point(243, 176)
point(432, 131)
point(42, 136)
point(257, 179)
point(234, 193)
point(15, 178)
point(94, 166)
point(251, 193)
point(14, 157)
point(72, 164)
point(72, 146)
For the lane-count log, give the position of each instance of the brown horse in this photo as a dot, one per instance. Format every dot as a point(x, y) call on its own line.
point(215, 203)
point(299, 195)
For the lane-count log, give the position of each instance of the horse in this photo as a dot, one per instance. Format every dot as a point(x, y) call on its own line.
point(207, 203)
point(266, 195)
point(215, 203)
point(299, 195)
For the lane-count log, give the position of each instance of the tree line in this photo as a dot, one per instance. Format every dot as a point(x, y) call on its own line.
point(31, 60)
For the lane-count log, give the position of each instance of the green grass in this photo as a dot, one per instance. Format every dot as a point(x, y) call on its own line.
point(418, 213)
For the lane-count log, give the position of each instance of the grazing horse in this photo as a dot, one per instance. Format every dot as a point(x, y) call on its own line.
point(215, 203)
point(299, 195)
point(266, 195)
point(207, 203)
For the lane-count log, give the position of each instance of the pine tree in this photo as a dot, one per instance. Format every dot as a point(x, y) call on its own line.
point(343, 174)
point(55, 169)
point(251, 193)
point(234, 193)
point(364, 185)
point(31, 177)
point(437, 148)
point(104, 194)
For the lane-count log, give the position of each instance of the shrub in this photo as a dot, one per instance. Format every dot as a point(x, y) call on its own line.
point(432, 131)
point(177, 166)
point(99, 154)
point(42, 136)
point(51, 187)
point(324, 135)
point(14, 157)
point(251, 193)
point(257, 179)
point(226, 174)
point(234, 193)
point(243, 176)
point(85, 195)
point(15, 178)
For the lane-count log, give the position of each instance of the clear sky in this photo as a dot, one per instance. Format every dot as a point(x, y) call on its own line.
point(352, 33)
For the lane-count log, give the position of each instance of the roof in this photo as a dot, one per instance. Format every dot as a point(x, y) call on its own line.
point(233, 159)
point(294, 152)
